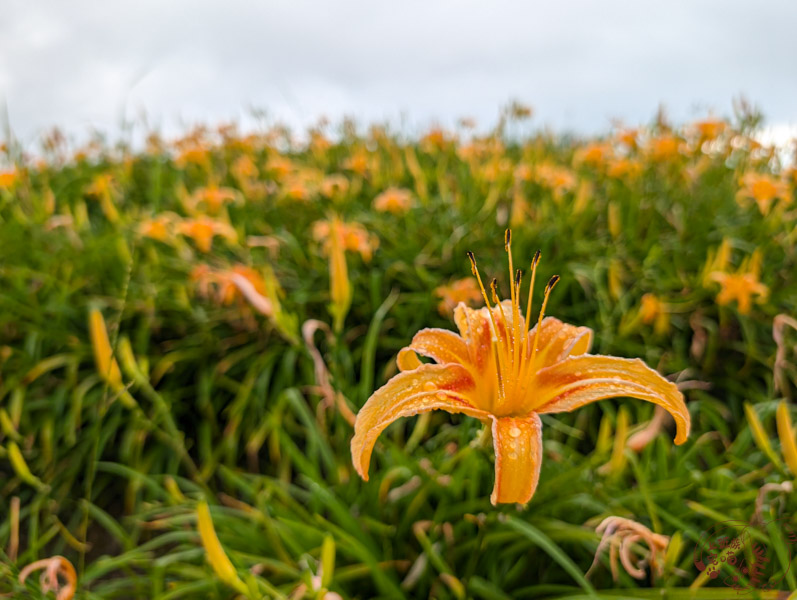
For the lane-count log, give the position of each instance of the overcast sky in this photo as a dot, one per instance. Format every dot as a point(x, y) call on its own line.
point(82, 64)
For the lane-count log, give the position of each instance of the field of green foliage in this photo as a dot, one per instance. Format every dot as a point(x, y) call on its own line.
point(188, 331)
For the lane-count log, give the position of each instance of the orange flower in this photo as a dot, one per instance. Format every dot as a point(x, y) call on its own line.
point(211, 199)
point(593, 155)
point(244, 169)
point(279, 167)
point(158, 228)
point(355, 238)
point(742, 285)
point(334, 186)
point(434, 140)
point(623, 168)
point(663, 148)
point(462, 291)
point(762, 188)
point(559, 180)
point(357, 162)
point(203, 229)
point(710, 129)
point(194, 155)
point(393, 200)
point(7, 179)
point(498, 371)
point(628, 137)
point(224, 282)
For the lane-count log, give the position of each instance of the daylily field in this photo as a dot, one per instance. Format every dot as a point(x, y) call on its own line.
point(282, 364)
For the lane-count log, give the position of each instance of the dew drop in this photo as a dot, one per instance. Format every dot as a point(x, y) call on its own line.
point(441, 396)
point(429, 386)
point(515, 432)
point(512, 456)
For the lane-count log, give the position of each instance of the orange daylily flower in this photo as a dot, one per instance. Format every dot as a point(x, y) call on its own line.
point(462, 291)
point(202, 230)
point(499, 371)
point(593, 155)
point(710, 129)
point(742, 285)
point(628, 137)
point(7, 179)
point(355, 238)
point(764, 189)
point(558, 179)
point(244, 169)
point(211, 199)
point(334, 186)
point(393, 200)
point(280, 167)
point(357, 162)
point(663, 148)
point(623, 168)
point(158, 228)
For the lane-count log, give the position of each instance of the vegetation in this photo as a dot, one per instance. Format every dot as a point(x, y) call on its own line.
point(187, 331)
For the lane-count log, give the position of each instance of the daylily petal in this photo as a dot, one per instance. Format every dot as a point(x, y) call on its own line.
point(518, 458)
point(429, 387)
point(559, 340)
point(475, 328)
point(407, 360)
point(579, 380)
point(441, 345)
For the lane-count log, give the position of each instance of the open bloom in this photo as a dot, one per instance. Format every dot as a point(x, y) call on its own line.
point(764, 189)
point(457, 292)
point(742, 285)
point(499, 371)
point(393, 200)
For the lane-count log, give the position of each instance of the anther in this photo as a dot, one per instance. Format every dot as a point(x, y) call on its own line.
point(507, 239)
point(536, 259)
point(553, 281)
point(472, 259)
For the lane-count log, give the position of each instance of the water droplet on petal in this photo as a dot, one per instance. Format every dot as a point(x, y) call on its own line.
point(515, 432)
point(441, 396)
point(512, 456)
point(429, 386)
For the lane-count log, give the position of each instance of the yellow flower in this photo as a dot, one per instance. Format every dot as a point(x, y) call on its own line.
point(653, 311)
point(498, 371)
point(462, 291)
point(716, 261)
point(742, 285)
point(762, 188)
point(339, 285)
point(394, 200)
point(214, 552)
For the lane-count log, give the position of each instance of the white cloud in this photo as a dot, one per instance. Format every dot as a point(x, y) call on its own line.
point(580, 63)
